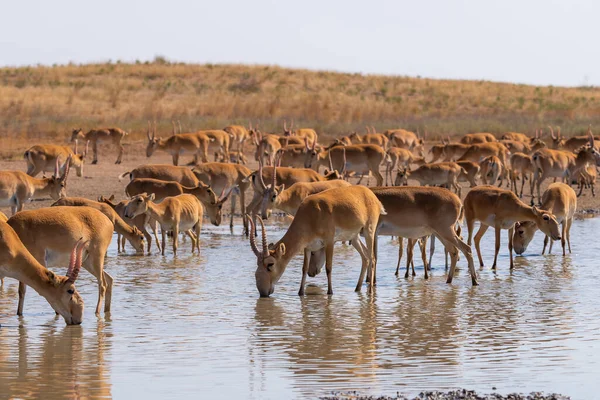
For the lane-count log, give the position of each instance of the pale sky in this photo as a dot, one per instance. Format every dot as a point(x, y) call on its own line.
point(529, 41)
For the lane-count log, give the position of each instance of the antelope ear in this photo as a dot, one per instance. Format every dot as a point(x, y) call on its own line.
point(152, 197)
point(112, 197)
point(280, 251)
point(280, 188)
point(53, 278)
point(536, 211)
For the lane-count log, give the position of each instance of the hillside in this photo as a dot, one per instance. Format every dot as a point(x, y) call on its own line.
point(45, 103)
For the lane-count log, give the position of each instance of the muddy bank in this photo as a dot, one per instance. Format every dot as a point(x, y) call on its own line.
point(461, 394)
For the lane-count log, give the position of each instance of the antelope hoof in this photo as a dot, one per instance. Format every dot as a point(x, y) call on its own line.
point(95, 162)
point(474, 281)
point(406, 275)
point(329, 292)
point(301, 292)
point(449, 280)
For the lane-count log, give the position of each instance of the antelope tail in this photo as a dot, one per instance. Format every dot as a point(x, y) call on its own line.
point(382, 209)
point(124, 174)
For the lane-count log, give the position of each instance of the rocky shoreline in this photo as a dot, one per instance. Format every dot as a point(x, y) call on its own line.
point(460, 394)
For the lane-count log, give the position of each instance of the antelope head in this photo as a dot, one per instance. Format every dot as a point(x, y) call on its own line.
point(402, 177)
point(57, 183)
point(153, 141)
point(312, 154)
point(355, 138)
point(138, 205)
point(286, 131)
point(270, 194)
point(77, 134)
point(523, 235)
point(557, 141)
point(547, 223)
point(269, 263)
point(215, 210)
point(138, 241)
point(69, 303)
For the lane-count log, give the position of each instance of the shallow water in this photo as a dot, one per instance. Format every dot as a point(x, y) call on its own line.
point(195, 326)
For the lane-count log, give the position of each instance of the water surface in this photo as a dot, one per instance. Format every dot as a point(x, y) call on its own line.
point(195, 326)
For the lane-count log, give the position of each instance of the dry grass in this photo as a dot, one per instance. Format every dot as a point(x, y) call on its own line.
point(44, 103)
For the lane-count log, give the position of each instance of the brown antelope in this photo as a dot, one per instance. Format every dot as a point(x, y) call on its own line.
point(340, 214)
point(266, 145)
point(140, 222)
point(164, 189)
point(518, 137)
point(452, 151)
point(288, 200)
point(400, 158)
point(219, 143)
point(471, 170)
point(42, 158)
point(572, 143)
point(50, 233)
point(302, 133)
point(446, 173)
point(562, 164)
point(530, 147)
point(501, 208)
point(183, 175)
point(415, 212)
point(481, 150)
point(406, 140)
point(491, 170)
point(559, 200)
point(360, 158)
point(18, 263)
point(17, 187)
point(238, 135)
point(295, 155)
point(586, 178)
point(475, 138)
point(176, 144)
point(372, 137)
point(179, 213)
point(130, 233)
point(521, 166)
point(114, 135)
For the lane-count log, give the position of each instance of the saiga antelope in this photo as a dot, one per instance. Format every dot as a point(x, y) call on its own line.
point(340, 214)
point(131, 233)
point(491, 170)
point(239, 135)
point(219, 142)
point(501, 208)
point(60, 292)
point(469, 173)
point(183, 175)
point(475, 138)
point(303, 133)
point(179, 213)
point(176, 144)
point(50, 233)
point(266, 145)
point(406, 140)
point(521, 166)
point(115, 135)
point(446, 173)
point(42, 158)
point(17, 187)
point(560, 200)
point(572, 143)
point(400, 158)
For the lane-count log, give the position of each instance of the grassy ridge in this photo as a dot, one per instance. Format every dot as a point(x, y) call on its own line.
point(45, 103)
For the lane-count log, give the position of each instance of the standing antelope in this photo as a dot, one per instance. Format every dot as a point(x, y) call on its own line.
point(302, 133)
point(572, 143)
point(50, 233)
point(451, 151)
point(372, 137)
point(501, 208)
point(219, 142)
point(406, 140)
point(322, 219)
point(560, 200)
point(491, 170)
point(17, 187)
point(179, 213)
point(115, 135)
point(183, 175)
point(469, 173)
point(176, 144)
point(415, 212)
point(42, 158)
point(239, 135)
point(446, 173)
point(266, 145)
point(521, 166)
point(122, 228)
point(475, 138)
point(18, 263)
point(481, 150)
point(400, 158)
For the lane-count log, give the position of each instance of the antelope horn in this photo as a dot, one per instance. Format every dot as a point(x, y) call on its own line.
point(277, 161)
point(75, 150)
point(314, 146)
point(344, 160)
point(373, 129)
point(72, 259)
point(330, 162)
point(265, 244)
point(260, 176)
point(552, 132)
point(306, 143)
point(250, 125)
point(56, 169)
point(284, 125)
point(225, 195)
point(173, 123)
point(78, 260)
point(368, 130)
point(252, 237)
point(558, 132)
point(292, 126)
point(154, 131)
point(67, 168)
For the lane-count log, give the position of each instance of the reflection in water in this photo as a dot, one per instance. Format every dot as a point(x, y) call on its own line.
point(196, 325)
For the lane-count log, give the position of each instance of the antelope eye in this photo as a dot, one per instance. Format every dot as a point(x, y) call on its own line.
point(274, 197)
point(546, 218)
point(521, 232)
point(139, 200)
point(220, 206)
point(269, 266)
point(71, 291)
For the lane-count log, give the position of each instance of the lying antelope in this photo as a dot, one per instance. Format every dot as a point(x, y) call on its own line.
point(302, 133)
point(18, 263)
point(559, 200)
point(42, 158)
point(17, 187)
point(562, 164)
point(183, 175)
point(400, 158)
point(359, 158)
point(176, 144)
point(114, 135)
point(501, 208)
point(475, 138)
point(50, 233)
point(491, 170)
point(340, 214)
point(288, 200)
point(130, 233)
point(521, 166)
point(446, 173)
point(178, 213)
point(221, 176)
point(163, 189)
point(415, 212)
